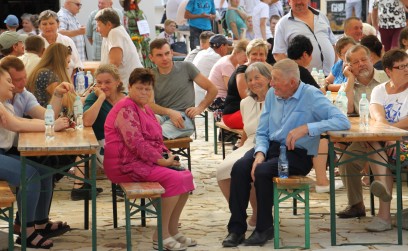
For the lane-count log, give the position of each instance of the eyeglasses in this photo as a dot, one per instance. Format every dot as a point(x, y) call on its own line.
point(401, 67)
point(356, 62)
point(77, 4)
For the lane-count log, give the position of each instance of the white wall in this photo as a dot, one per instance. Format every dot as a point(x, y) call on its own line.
point(153, 9)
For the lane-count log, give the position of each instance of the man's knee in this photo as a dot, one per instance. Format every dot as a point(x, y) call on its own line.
point(241, 168)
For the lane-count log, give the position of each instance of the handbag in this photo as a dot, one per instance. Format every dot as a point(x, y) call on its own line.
point(180, 47)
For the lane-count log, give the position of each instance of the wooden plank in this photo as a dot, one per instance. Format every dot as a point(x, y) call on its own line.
point(7, 197)
point(136, 190)
point(66, 142)
point(293, 182)
point(178, 143)
point(223, 126)
point(376, 131)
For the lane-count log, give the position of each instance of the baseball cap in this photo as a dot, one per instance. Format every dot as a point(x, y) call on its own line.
point(9, 38)
point(11, 20)
point(218, 40)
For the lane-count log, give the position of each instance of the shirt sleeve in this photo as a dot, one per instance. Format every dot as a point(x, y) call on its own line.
point(89, 27)
point(89, 101)
point(262, 132)
point(377, 95)
point(280, 45)
point(190, 6)
point(31, 102)
point(129, 127)
point(192, 70)
point(63, 22)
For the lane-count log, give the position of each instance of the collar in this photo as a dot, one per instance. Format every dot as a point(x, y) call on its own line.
point(297, 93)
point(314, 11)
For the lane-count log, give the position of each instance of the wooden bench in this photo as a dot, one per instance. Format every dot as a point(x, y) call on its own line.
point(181, 147)
point(223, 128)
point(142, 190)
point(287, 188)
point(7, 199)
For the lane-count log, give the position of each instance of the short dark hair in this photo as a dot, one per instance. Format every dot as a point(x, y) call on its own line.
point(108, 15)
point(403, 35)
point(298, 45)
point(7, 51)
point(9, 62)
point(205, 35)
point(392, 56)
point(158, 43)
point(34, 44)
point(143, 75)
point(373, 44)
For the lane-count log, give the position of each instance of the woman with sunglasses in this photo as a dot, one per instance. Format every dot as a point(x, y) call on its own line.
point(48, 23)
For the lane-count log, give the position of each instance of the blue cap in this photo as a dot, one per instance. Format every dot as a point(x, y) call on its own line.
point(11, 20)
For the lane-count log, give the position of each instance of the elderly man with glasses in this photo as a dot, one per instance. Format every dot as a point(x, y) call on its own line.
point(69, 25)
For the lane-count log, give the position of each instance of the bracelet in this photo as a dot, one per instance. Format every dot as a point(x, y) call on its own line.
point(58, 95)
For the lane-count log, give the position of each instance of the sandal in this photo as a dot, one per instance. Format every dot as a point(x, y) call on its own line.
point(170, 244)
point(184, 240)
point(32, 237)
point(48, 232)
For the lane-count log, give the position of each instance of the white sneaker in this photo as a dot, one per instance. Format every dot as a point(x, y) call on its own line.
point(325, 189)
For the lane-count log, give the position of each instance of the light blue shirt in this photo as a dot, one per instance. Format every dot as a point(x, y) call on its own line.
point(198, 7)
point(307, 106)
point(24, 102)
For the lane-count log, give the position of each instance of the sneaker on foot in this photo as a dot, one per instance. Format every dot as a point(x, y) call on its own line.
point(378, 225)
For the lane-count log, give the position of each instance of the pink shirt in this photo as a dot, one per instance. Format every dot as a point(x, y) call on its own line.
point(222, 68)
point(133, 142)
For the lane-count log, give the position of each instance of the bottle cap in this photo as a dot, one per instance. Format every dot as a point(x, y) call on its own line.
point(320, 71)
point(49, 107)
point(363, 95)
point(328, 92)
point(314, 69)
point(343, 93)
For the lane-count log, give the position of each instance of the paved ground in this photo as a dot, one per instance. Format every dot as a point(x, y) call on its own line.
point(206, 215)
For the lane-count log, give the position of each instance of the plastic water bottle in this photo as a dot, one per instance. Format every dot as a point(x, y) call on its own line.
point(78, 113)
point(49, 123)
point(363, 110)
point(80, 83)
point(341, 102)
point(321, 79)
point(90, 78)
point(329, 96)
point(315, 74)
point(283, 163)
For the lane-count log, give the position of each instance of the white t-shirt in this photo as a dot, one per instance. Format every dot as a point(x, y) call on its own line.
point(30, 60)
point(204, 61)
point(395, 105)
point(180, 20)
point(118, 37)
point(261, 11)
point(249, 6)
point(6, 136)
point(223, 68)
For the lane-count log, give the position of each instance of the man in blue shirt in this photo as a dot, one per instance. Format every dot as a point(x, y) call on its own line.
point(294, 114)
point(199, 13)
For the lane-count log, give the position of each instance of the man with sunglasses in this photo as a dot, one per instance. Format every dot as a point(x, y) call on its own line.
point(69, 25)
point(362, 77)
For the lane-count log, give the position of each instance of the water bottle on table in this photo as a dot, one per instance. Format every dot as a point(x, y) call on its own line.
point(49, 118)
point(321, 79)
point(329, 96)
point(80, 83)
point(315, 74)
point(363, 110)
point(78, 113)
point(283, 163)
point(90, 78)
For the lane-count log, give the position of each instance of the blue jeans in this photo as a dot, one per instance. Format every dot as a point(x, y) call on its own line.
point(39, 193)
point(172, 132)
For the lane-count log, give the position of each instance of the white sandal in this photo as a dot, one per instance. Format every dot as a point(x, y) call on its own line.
point(170, 244)
point(185, 240)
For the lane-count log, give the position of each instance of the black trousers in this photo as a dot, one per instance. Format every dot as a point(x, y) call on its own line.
point(299, 164)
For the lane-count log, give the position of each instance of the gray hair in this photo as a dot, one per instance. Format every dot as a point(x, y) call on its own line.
point(289, 67)
point(354, 49)
point(260, 67)
point(108, 15)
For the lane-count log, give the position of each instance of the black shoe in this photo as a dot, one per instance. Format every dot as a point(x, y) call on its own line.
point(352, 211)
point(259, 238)
point(83, 192)
point(233, 240)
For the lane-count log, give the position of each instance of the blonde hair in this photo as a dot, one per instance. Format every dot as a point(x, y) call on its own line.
point(256, 43)
point(240, 46)
point(53, 59)
point(113, 71)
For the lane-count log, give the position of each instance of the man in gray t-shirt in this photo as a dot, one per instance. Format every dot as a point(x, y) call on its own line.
point(174, 91)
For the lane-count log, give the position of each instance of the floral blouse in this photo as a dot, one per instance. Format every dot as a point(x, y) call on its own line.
point(391, 14)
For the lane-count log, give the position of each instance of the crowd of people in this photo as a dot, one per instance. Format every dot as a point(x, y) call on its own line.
point(264, 87)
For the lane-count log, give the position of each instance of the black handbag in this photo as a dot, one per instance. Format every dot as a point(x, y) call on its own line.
point(180, 47)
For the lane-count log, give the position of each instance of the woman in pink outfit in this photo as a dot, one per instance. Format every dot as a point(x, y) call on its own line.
point(134, 152)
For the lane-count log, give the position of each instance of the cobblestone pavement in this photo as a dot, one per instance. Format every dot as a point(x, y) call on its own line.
point(206, 215)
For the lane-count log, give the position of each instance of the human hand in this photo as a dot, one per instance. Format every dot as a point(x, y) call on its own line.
point(348, 73)
point(64, 87)
point(294, 135)
point(259, 158)
point(98, 92)
point(61, 123)
point(177, 119)
point(82, 30)
point(191, 112)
